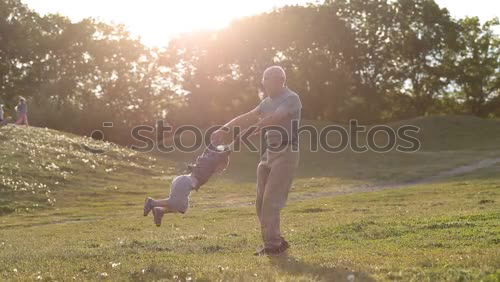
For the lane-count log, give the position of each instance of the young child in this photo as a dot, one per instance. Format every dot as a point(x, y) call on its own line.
point(3, 119)
point(214, 159)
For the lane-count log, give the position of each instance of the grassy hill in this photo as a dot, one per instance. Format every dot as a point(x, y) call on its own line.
point(67, 213)
point(39, 165)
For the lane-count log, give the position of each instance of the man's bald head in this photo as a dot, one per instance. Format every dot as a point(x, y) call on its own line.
point(273, 80)
point(274, 72)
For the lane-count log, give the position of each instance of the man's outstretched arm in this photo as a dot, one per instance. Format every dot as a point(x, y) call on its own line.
point(242, 121)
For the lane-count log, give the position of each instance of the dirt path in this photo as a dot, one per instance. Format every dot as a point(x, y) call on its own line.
point(459, 171)
point(370, 188)
point(296, 197)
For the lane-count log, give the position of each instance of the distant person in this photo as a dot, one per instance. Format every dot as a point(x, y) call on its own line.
point(22, 112)
point(2, 120)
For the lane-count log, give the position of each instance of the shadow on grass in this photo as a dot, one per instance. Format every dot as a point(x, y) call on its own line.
point(296, 267)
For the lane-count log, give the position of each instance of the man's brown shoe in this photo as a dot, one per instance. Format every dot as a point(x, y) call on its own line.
point(273, 251)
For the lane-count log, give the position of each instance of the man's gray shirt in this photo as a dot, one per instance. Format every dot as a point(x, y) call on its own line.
point(288, 101)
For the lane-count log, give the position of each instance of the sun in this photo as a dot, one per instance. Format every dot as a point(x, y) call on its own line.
point(157, 21)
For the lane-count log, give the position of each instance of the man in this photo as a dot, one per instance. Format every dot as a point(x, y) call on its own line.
point(275, 171)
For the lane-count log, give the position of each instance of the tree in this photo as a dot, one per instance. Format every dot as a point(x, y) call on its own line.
point(423, 34)
point(477, 66)
point(18, 41)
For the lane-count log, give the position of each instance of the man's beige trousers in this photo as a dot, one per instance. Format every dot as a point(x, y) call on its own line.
point(275, 174)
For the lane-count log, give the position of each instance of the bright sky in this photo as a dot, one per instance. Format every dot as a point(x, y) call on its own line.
point(155, 21)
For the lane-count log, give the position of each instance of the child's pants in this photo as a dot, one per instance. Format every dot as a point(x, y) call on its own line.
point(275, 174)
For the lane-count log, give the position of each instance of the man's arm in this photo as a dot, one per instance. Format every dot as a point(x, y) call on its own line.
point(242, 121)
point(272, 119)
point(291, 105)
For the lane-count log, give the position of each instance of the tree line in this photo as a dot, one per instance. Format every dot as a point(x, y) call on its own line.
point(374, 61)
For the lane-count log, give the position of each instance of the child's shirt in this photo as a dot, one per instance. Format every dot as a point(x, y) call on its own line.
point(207, 164)
point(22, 108)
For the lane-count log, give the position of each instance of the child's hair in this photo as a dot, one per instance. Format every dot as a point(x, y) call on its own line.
point(22, 99)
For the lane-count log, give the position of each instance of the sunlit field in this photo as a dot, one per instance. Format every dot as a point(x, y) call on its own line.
point(82, 212)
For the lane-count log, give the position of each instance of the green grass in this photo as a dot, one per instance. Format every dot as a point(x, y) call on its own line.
point(448, 230)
